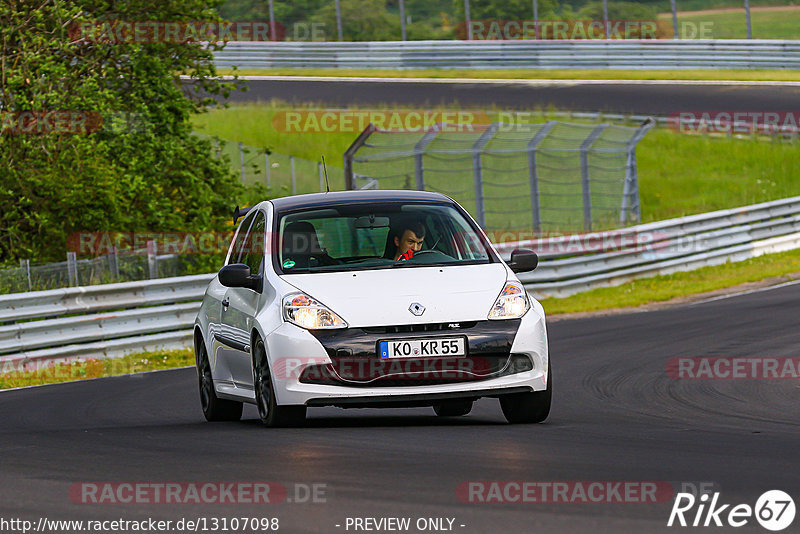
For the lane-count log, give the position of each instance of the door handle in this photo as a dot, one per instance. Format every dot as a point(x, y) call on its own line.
point(225, 303)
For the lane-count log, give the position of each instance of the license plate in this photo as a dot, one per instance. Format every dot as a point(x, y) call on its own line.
point(423, 348)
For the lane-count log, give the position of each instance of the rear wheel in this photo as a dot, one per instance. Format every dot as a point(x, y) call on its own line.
point(453, 408)
point(214, 408)
point(533, 407)
point(270, 413)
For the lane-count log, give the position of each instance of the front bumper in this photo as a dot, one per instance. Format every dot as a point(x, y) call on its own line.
point(342, 368)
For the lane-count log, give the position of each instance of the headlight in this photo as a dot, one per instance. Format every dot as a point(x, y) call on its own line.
point(305, 312)
point(511, 304)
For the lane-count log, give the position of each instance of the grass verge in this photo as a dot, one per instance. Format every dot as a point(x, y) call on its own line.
point(538, 74)
point(95, 368)
point(679, 285)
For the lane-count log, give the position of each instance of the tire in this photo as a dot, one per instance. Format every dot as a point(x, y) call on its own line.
point(270, 413)
point(214, 408)
point(453, 408)
point(533, 407)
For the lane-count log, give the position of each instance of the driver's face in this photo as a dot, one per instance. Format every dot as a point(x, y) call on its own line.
point(409, 241)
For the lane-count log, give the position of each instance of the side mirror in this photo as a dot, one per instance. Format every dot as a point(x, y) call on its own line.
point(238, 275)
point(523, 260)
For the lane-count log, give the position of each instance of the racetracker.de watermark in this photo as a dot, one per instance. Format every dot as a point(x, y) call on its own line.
point(735, 121)
point(397, 121)
point(203, 492)
point(69, 122)
point(516, 30)
point(565, 491)
point(733, 368)
point(154, 31)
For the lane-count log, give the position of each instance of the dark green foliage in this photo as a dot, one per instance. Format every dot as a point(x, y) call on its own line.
point(143, 170)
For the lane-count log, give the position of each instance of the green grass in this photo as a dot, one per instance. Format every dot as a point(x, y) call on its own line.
point(664, 288)
point(781, 24)
point(96, 368)
point(537, 74)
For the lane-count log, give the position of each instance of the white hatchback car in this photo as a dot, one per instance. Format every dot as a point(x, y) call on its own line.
point(369, 299)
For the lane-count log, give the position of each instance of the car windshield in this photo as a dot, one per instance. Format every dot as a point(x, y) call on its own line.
point(359, 237)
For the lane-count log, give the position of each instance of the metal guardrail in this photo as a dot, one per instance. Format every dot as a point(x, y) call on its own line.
point(527, 54)
point(99, 321)
point(115, 319)
point(572, 264)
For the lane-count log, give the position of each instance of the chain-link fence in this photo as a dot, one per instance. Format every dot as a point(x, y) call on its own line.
point(281, 174)
point(117, 266)
point(552, 176)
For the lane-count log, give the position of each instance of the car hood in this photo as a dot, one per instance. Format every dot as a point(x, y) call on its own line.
point(383, 297)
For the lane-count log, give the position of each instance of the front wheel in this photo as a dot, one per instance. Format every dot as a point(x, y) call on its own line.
point(533, 407)
point(214, 408)
point(270, 413)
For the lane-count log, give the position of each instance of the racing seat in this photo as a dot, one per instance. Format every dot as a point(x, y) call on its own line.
point(301, 245)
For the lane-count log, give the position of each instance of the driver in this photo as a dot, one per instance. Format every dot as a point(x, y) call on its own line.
point(408, 239)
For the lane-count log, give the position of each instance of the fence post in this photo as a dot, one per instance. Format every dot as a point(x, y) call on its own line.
point(585, 185)
point(152, 259)
point(241, 161)
point(467, 19)
point(349, 155)
point(675, 32)
point(402, 21)
point(477, 170)
point(113, 261)
point(266, 167)
point(339, 21)
point(72, 269)
point(294, 180)
point(272, 29)
point(419, 151)
point(26, 264)
point(533, 173)
point(747, 17)
point(630, 191)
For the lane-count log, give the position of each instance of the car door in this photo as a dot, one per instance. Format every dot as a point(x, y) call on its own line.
point(240, 305)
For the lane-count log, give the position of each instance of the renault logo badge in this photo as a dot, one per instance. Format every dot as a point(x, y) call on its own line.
point(416, 308)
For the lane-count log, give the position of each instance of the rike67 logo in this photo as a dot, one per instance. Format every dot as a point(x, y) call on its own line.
point(774, 510)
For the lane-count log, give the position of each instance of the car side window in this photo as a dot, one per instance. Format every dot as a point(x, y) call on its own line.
point(239, 239)
point(252, 253)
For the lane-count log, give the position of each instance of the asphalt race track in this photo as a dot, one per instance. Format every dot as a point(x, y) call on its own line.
point(617, 416)
point(660, 98)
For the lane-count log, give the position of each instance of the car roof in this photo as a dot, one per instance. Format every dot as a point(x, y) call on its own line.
point(338, 198)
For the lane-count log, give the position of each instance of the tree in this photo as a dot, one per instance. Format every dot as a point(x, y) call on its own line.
point(130, 162)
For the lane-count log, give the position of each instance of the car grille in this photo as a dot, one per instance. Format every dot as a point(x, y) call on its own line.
point(431, 327)
point(365, 372)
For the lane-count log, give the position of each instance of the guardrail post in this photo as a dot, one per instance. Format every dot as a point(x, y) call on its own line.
point(585, 184)
point(72, 269)
point(26, 264)
point(477, 170)
point(533, 173)
point(419, 151)
point(152, 259)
